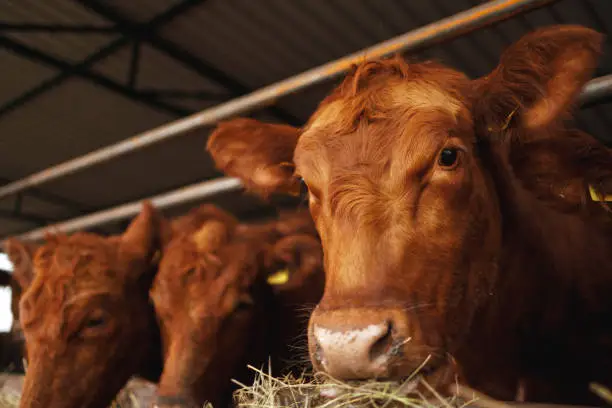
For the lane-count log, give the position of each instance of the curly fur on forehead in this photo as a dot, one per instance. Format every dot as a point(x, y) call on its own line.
point(81, 255)
point(378, 90)
point(182, 257)
point(82, 264)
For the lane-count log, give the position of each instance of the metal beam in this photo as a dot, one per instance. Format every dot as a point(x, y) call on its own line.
point(597, 87)
point(54, 199)
point(163, 18)
point(56, 28)
point(26, 217)
point(204, 68)
point(76, 69)
point(51, 83)
point(180, 196)
point(441, 30)
point(134, 64)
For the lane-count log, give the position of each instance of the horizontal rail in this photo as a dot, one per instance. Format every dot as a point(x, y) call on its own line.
point(594, 90)
point(182, 195)
point(441, 30)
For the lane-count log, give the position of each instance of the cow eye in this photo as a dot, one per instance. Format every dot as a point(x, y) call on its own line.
point(94, 322)
point(243, 303)
point(303, 188)
point(97, 324)
point(448, 157)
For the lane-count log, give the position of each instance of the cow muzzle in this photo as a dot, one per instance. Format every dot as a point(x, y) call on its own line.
point(355, 344)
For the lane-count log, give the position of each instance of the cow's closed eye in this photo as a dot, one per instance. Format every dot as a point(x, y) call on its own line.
point(243, 303)
point(312, 194)
point(96, 324)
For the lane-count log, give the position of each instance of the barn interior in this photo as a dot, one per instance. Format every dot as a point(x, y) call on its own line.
point(83, 75)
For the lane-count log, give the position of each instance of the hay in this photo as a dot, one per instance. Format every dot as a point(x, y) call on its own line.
point(324, 392)
point(309, 391)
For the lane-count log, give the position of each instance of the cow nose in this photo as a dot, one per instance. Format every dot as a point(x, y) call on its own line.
point(355, 353)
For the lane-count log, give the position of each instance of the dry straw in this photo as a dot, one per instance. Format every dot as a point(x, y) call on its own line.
point(321, 391)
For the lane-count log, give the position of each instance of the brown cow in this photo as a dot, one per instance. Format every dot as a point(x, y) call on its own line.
point(86, 316)
point(217, 313)
point(455, 220)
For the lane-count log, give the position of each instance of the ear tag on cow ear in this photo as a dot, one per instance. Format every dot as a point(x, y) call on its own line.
point(598, 197)
point(279, 277)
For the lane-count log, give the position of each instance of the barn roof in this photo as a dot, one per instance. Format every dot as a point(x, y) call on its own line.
point(78, 75)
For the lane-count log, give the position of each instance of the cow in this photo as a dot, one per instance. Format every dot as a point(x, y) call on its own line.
point(457, 228)
point(222, 305)
point(86, 317)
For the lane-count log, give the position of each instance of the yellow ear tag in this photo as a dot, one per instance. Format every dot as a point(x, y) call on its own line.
point(596, 197)
point(279, 277)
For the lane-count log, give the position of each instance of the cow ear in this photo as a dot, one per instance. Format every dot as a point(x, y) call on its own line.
point(293, 259)
point(211, 235)
point(571, 172)
point(166, 232)
point(259, 154)
point(538, 78)
point(142, 237)
point(21, 255)
point(527, 97)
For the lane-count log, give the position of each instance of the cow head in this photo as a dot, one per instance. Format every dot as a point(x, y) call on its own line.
point(403, 164)
point(203, 299)
point(211, 290)
point(85, 314)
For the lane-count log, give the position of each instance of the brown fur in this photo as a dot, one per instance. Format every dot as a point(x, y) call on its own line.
point(500, 262)
point(216, 311)
point(86, 318)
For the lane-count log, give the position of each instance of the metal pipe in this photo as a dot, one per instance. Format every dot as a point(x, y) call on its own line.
point(182, 195)
point(444, 29)
point(594, 90)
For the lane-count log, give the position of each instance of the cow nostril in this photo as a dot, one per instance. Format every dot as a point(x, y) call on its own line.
point(383, 344)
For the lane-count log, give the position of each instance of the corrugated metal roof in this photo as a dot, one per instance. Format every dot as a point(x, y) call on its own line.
point(48, 12)
point(28, 72)
point(252, 44)
point(142, 10)
point(45, 132)
point(154, 74)
point(67, 46)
